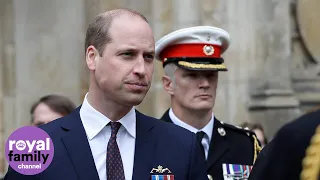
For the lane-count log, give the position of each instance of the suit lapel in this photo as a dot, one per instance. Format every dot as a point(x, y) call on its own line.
point(78, 148)
point(144, 149)
point(218, 145)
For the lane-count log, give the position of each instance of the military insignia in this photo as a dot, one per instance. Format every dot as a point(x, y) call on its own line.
point(221, 131)
point(208, 37)
point(257, 148)
point(208, 50)
point(161, 170)
point(236, 171)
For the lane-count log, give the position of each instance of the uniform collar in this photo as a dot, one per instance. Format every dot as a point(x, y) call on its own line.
point(206, 129)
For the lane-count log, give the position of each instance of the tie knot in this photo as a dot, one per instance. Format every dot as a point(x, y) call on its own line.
point(200, 135)
point(115, 126)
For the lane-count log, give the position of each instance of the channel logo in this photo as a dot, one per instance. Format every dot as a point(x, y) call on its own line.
point(29, 150)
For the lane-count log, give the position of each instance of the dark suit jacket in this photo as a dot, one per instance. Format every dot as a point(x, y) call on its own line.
point(157, 143)
point(282, 157)
point(236, 147)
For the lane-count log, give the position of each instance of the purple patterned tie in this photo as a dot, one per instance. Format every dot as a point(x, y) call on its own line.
point(114, 163)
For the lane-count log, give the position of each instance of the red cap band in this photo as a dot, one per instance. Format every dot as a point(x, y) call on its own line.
point(191, 50)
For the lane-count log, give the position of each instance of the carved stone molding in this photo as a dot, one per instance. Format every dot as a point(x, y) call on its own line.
point(309, 25)
point(305, 39)
point(273, 99)
point(305, 69)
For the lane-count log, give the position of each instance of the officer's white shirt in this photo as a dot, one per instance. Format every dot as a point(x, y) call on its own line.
point(98, 133)
point(206, 129)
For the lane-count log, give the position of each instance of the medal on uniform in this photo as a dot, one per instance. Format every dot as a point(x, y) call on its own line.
point(236, 171)
point(159, 173)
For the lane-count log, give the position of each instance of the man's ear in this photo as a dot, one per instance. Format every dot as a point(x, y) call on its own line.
point(92, 56)
point(167, 84)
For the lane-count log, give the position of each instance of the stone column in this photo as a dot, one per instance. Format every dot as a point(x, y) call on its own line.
point(49, 38)
point(186, 13)
point(2, 141)
point(162, 25)
point(92, 9)
point(7, 76)
point(272, 100)
point(238, 18)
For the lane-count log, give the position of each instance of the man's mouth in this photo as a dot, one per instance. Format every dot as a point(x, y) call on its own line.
point(204, 96)
point(137, 83)
point(137, 86)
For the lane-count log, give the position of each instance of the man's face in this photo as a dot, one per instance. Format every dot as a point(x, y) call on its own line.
point(124, 72)
point(43, 114)
point(195, 90)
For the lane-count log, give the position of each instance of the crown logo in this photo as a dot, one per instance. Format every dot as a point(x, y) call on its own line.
point(21, 145)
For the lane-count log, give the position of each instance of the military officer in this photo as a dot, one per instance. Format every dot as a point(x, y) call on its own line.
point(294, 152)
point(192, 61)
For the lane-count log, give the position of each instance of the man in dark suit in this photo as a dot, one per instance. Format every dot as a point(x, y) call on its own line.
point(192, 59)
point(106, 138)
point(282, 157)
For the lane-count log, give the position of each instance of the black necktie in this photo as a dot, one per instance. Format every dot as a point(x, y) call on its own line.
point(200, 135)
point(114, 163)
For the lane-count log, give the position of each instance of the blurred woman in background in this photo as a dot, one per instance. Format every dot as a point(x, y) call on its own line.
point(258, 130)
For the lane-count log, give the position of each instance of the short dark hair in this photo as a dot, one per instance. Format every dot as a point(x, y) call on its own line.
point(98, 31)
point(57, 103)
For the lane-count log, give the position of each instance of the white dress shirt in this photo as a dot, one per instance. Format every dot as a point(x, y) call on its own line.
point(98, 133)
point(206, 129)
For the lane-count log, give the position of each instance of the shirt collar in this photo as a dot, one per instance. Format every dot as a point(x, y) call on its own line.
point(94, 121)
point(206, 129)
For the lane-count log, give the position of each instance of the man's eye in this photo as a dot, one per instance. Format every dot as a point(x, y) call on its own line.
point(126, 54)
point(191, 75)
point(149, 57)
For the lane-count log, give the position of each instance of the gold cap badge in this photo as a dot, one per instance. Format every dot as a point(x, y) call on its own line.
point(208, 50)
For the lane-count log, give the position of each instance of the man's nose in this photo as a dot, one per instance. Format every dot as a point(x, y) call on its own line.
point(139, 67)
point(204, 82)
